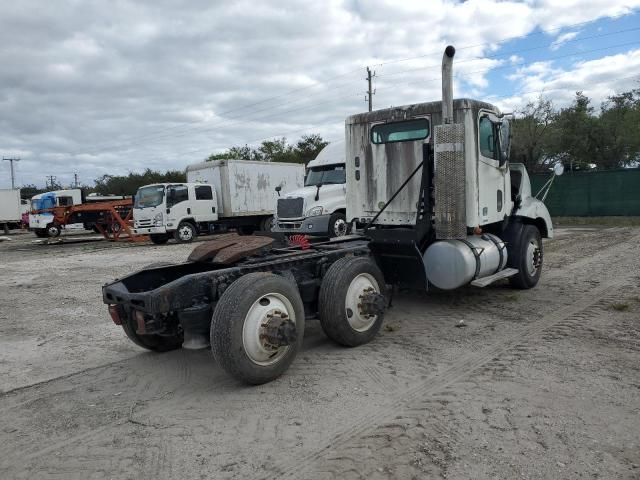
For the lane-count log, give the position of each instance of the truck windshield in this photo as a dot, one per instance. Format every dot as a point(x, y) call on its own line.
point(329, 174)
point(151, 196)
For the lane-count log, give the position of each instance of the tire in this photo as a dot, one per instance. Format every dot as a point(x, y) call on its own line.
point(53, 230)
point(266, 223)
point(159, 238)
point(40, 233)
point(341, 317)
point(338, 226)
point(185, 233)
point(235, 330)
point(528, 256)
point(156, 343)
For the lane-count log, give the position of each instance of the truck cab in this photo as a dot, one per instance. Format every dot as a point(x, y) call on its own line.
point(318, 208)
point(41, 221)
point(174, 209)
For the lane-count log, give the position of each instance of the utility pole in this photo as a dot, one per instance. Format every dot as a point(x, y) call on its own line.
point(370, 92)
point(75, 180)
point(13, 175)
point(51, 179)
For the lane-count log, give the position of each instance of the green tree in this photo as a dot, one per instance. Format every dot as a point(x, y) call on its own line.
point(129, 184)
point(531, 131)
point(279, 150)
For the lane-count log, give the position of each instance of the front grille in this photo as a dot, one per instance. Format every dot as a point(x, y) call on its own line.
point(143, 223)
point(290, 207)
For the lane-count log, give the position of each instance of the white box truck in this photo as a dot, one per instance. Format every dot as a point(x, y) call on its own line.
point(10, 208)
point(218, 195)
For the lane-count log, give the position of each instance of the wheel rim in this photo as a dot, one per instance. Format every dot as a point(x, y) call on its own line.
point(359, 286)
point(339, 227)
point(258, 351)
point(533, 257)
point(185, 233)
point(53, 231)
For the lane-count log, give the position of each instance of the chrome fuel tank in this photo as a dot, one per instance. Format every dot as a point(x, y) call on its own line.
point(451, 264)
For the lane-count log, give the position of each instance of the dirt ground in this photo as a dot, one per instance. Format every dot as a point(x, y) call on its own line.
point(543, 383)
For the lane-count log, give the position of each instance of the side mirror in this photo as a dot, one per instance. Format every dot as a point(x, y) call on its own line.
point(168, 211)
point(558, 169)
point(278, 189)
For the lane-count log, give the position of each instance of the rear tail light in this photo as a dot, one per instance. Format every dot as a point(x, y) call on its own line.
point(115, 311)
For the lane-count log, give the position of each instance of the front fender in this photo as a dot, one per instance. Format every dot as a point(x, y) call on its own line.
point(534, 211)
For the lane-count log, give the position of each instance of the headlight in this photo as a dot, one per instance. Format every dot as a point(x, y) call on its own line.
point(157, 220)
point(314, 211)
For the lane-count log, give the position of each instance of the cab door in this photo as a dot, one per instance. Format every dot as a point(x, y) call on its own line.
point(494, 185)
point(204, 204)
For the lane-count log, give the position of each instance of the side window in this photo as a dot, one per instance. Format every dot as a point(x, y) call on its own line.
point(178, 193)
point(203, 192)
point(65, 201)
point(487, 136)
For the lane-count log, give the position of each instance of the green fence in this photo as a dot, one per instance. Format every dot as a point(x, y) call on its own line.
point(592, 194)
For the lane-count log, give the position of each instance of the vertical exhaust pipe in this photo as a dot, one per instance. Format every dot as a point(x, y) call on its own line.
point(447, 85)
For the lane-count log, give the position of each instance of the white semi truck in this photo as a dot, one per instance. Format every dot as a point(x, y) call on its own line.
point(320, 207)
point(217, 196)
point(442, 207)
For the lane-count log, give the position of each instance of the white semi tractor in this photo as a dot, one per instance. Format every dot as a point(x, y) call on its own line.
point(218, 195)
point(442, 207)
point(320, 207)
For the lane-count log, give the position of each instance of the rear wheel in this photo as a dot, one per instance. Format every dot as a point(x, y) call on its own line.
point(352, 301)
point(159, 238)
point(528, 258)
point(186, 232)
point(257, 327)
point(157, 343)
point(338, 225)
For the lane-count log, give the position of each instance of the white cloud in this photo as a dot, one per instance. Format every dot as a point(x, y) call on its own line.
point(562, 39)
point(107, 87)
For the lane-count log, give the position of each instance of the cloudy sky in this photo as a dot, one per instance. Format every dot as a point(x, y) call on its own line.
point(106, 87)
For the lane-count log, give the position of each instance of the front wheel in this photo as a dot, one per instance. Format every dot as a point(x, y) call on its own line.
point(527, 258)
point(186, 232)
point(257, 327)
point(338, 226)
point(352, 301)
point(53, 230)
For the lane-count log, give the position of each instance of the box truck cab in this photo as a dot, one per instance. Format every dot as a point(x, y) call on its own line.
point(41, 221)
point(319, 208)
point(218, 195)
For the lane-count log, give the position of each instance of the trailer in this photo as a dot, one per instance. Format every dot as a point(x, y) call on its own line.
point(442, 207)
point(10, 209)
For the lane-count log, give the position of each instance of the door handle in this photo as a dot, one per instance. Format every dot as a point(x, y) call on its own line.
point(189, 210)
point(213, 209)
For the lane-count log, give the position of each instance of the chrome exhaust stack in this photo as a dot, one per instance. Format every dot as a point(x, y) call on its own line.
point(450, 175)
point(447, 85)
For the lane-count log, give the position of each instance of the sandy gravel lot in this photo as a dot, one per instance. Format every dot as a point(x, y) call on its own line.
point(542, 383)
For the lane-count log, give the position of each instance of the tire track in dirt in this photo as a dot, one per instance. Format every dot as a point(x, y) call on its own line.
point(415, 443)
point(293, 468)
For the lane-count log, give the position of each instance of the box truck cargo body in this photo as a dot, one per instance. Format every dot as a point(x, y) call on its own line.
point(10, 208)
point(218, 195)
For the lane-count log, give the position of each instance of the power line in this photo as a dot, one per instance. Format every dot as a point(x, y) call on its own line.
point(513, 52)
